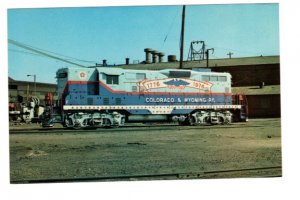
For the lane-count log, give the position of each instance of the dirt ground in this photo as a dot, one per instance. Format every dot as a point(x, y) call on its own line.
point(59, 154)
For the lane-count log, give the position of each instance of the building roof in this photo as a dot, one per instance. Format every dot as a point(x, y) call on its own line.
point(256, 90)
point(260, 60)
point(12, 81)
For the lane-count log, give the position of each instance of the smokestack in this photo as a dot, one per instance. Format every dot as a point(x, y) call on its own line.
point(127, 61)
point(148, 52)
point(104, 63)
point(154, 56)
point(160, 57)
point(172, 58)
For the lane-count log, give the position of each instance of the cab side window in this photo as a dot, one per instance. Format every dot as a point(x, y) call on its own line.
point(112, 79)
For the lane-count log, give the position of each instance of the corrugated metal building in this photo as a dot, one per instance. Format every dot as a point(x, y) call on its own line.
point(25, 89)
point(262, 102)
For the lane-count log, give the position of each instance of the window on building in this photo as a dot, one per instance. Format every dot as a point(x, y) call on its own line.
point(112, 79)
point(13, 87)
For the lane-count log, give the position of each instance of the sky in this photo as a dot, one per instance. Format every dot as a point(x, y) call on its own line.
point(91, 34)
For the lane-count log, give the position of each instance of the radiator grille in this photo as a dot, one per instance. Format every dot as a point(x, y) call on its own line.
point(118, 101)
point(106, 101)
point(90, 101)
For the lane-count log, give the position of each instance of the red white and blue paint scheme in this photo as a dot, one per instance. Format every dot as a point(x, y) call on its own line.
point(110, 96)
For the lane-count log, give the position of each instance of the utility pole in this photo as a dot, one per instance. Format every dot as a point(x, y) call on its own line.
point(27, 92)
point(203, 49)
point(182, 38)
point(230, 53)
point(34, 79)
point(207, 55)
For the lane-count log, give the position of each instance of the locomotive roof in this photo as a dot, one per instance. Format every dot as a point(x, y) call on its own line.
point(115, 70)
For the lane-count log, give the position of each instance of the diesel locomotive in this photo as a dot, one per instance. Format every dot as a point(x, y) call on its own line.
point(110, 97)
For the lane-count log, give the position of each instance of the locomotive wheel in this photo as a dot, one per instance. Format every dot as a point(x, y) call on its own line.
point(77, 127)
point(226, 121)
point(115, 126)
point(192, 120)
point(69, 123)
point(107, 123)
point(184, 123)
point(222, 121)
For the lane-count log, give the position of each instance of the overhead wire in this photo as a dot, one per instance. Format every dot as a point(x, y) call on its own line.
point(29, 53)
point(71, 58)
point(170, 28)
point(41, 52)
point(25, 52)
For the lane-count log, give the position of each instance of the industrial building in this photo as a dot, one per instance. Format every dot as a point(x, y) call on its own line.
point(22, 90)
point(262, 101)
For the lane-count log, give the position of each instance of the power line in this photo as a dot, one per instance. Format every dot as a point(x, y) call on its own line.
point(170, 28)
point(71, 58)
point(29, 53)
point(33, 49)
point(25, 52)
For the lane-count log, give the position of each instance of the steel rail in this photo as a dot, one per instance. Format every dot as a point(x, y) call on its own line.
point(166, 176)
point(129, 128)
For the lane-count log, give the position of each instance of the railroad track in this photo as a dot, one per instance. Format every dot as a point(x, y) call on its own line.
point(274, 171)
point(130, 128)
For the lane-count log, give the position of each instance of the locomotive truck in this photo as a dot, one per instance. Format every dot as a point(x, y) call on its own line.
point(110, 97)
